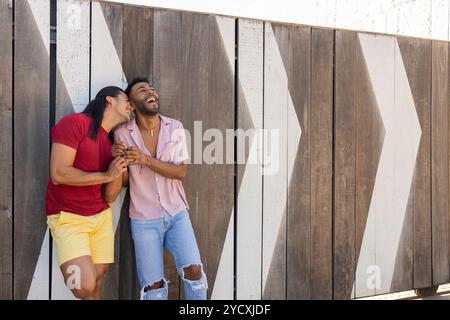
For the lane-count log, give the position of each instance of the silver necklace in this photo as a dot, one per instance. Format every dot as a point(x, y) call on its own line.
point(151, 131)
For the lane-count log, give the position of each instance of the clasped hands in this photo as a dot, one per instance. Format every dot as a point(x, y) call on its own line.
point(131, 155)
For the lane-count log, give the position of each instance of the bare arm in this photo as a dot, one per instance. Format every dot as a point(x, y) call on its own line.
point(113, 188)
point(63, 172)
point(166, 169)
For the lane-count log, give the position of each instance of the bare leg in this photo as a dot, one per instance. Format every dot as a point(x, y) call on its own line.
point(101, 273)
point(80, 276)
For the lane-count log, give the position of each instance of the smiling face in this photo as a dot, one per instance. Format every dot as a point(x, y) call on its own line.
point(121, 105)
point(144, 98)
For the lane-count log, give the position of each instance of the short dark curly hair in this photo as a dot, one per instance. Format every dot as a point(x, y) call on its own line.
point(133, 82)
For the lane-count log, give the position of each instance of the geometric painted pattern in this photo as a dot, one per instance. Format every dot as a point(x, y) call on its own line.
point(396, 167)
point(361, 181)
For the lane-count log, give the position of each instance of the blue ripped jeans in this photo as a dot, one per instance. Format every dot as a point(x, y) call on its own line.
point(177, 236)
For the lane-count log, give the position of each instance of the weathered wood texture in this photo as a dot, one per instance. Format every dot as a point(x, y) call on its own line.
point(345, 193)
point(6, 156)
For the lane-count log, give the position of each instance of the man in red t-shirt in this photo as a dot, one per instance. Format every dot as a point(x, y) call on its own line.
point(78, 216)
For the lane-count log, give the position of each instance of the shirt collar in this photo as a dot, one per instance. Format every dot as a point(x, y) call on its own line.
point(132, 125)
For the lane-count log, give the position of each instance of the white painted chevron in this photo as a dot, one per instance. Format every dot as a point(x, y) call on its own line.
point(397, 161)
point(279, 116)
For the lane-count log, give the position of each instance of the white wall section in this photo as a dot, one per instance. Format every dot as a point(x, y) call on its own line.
point(417, 18)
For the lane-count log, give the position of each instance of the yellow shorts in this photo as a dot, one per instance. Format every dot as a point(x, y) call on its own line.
point(76, 236)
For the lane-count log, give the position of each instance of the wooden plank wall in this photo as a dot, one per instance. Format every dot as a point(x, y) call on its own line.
point(31, 138)
point(355, 150)
point(344, 254)
point(439, 163)
point(416, 54)
point(6, 157)
point(321, 120)
point(388, 134)
point(218, 118)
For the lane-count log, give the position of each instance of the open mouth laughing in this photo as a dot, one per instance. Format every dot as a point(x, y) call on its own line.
point(152, 99)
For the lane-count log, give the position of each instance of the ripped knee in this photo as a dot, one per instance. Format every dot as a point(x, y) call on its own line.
point(155, 290)
point(155, 285)
point(194, 277)
point(193, 272)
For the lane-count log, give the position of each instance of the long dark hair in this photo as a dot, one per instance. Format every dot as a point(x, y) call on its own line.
point(96, 108)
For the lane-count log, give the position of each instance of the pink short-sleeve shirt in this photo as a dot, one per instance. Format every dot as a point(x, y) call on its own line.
point(152, 195)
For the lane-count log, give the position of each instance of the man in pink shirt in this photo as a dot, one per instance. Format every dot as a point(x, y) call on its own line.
point(155, 148)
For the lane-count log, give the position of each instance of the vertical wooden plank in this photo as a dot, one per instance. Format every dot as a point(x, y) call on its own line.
point(448, 102)
point(295, 48)
point(321, 163)
point(439, 163)
point(407, 135)
point(106, 70)
point(366, 162)
point(250, 116)
point(416, 56)
point(167, 68)
point(219, 117)
point(72, 88)
point(402, 278)
point(6, 136)
point(138, 42)
point(137, 62)
point(276, 104)
point(369, 141)
point(31, 138)
point(344, 259)
point(195, 48)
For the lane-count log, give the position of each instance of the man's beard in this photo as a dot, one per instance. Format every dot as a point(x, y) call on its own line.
point(142, 108)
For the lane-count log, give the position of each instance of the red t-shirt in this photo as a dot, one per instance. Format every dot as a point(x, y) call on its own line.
point(92, 156)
